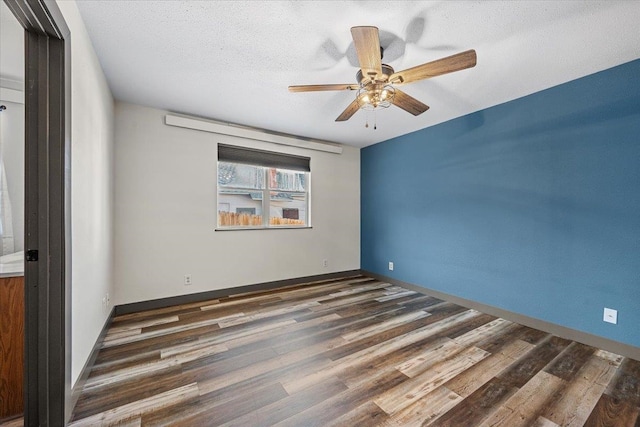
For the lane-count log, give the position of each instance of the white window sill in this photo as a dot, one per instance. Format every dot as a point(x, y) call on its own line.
point(284, 227)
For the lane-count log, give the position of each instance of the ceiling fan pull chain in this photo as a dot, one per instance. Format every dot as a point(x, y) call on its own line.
point(375, 120)
point(366, 124)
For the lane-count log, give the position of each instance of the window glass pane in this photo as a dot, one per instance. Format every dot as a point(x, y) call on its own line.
point(239, 208)
point(287, 208)
point(240, 176)
point(287, 180)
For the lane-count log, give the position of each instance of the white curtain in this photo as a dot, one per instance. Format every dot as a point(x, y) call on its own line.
point(6, 221)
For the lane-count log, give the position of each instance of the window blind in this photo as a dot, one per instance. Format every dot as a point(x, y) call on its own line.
point(251, 156)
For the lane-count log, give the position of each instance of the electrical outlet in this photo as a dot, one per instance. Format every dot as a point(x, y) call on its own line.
point(187, 279)
point(390, 266)
point(325, 263)
point(610, 315)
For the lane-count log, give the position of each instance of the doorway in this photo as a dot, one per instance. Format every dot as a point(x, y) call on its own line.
point(12, 180)
point(47, 395)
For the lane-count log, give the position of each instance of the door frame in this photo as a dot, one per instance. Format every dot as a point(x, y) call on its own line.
point(47, 398)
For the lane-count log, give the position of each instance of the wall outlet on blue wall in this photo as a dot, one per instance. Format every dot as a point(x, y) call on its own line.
point(390, 266)
point(610, 315)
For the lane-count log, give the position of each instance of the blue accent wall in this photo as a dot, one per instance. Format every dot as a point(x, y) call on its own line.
point(532, 206)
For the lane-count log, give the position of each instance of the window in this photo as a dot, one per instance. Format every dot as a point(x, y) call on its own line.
point(262, 189)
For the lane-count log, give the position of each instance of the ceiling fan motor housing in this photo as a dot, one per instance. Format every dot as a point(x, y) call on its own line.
point(363, 80)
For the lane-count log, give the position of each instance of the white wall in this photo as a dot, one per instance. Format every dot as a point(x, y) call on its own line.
point(12, 52)
point(12, 157)
point(166, 210)
point(12, 119)
point(92, 191)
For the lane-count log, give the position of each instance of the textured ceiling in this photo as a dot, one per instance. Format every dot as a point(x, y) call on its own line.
point(232, 61)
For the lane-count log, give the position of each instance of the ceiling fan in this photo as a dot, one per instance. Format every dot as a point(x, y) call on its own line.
point(377, 81)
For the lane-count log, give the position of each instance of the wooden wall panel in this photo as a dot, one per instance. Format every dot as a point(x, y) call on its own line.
point(11, 345)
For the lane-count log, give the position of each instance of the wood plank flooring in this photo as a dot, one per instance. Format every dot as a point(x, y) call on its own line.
point(349, 352)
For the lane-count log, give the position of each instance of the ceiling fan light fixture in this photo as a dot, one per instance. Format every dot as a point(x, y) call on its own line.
point(375, 96)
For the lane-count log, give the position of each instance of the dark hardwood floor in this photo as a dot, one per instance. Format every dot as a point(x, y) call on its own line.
point(349, 352)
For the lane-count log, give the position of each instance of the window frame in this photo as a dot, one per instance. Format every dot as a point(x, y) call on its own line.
point(267, 190)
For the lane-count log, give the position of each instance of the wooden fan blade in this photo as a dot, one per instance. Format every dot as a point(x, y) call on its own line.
point(349, 111)
point(317, 88)
point(457, 62)
point(408, 103)
point(367, 43)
